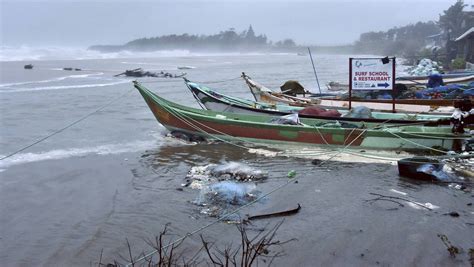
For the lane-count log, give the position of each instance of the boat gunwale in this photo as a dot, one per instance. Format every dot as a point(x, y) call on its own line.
point(200, 114)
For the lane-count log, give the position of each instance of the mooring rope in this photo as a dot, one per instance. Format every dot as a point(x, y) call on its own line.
point(203, 82)
point(184, 118)
point(67, 126)
point(223, 217)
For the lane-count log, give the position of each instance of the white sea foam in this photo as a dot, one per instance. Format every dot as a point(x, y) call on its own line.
point(52, 80)
point(108, 149)
point(27, 53)
point(59, 87)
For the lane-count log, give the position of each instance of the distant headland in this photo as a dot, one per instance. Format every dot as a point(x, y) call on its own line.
point(225, 41)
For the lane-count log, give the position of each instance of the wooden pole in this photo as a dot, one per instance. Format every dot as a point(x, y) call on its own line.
point(314, 69)
point(393, 85)
point(350, 83)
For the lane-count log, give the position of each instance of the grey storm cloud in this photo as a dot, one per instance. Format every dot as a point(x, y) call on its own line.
point(83, 23)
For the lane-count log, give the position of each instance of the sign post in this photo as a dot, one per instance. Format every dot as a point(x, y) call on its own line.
point(372, 74)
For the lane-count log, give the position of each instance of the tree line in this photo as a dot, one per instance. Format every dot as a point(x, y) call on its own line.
point(411, 41)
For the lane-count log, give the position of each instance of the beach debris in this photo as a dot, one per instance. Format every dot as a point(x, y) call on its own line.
point(394, 199)
point(226, 171)
point(185, 67)
point(71, 69)
point(425, 67)
point(217, 198)
point(452, 214)
point(436, 170)
point(291, 174)
point(223, 186)
point(264, 152)
point(398, 192)
point(275, 214)
point(186, 137)
point(28, 66)
point(141, 73)
point(451, 249)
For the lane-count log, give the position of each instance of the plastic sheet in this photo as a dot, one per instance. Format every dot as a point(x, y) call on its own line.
point(291, 119)
point(425, 67)
point(359, 112)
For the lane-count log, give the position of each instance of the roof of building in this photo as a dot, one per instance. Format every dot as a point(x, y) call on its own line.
point(466, 34)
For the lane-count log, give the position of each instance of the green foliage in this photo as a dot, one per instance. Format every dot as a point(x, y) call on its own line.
point(225, 40)
point(452, 20)
point(405, 41)
point(458, 63)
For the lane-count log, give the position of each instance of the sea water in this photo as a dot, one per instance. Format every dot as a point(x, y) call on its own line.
point(115, 174)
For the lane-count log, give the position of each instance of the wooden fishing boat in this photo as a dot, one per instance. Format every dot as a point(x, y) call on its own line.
point(258, 129)
point(414, 81)
point(215, 101)
point(263, 94)
point(447, 79)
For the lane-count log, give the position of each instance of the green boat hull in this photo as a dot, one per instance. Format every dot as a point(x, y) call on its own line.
point(258, 129)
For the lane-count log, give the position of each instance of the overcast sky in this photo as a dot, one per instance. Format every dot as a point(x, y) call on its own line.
point(83, 23)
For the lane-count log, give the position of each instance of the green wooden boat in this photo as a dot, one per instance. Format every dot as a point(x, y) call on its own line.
point(258, 129)
point(216, 101)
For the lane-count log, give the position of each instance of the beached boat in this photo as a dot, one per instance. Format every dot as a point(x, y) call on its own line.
point(215, 101)
point(259, 129)
point(263, 94)
point(409, 81)
point(447, 79)
point(337, 86)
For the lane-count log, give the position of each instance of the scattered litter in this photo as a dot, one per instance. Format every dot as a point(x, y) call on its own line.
point(436, 171)
point(226, 171)
point(291, 174)
point(223, 186)
point(398, 192)
point(186, 137)
point(418, 205)
point(275, 214)
point(217, 198)
point(263, 152)
point(455, 186)
point(452, 214)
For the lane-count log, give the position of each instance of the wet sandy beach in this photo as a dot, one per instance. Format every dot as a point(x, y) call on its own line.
point(134, 195)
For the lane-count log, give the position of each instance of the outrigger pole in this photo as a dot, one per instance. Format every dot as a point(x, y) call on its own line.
point(314, 69)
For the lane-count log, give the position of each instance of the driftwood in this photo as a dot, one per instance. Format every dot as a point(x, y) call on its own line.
point(275, 214)
point(391, 199)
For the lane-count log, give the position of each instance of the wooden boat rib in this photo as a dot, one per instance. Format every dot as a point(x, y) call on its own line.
point(215, 101)
point(253, 128)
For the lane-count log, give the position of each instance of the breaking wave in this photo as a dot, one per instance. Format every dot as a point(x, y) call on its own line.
point(52, 80)
point(108, 149)
point(24, 53)
point(59, 87)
